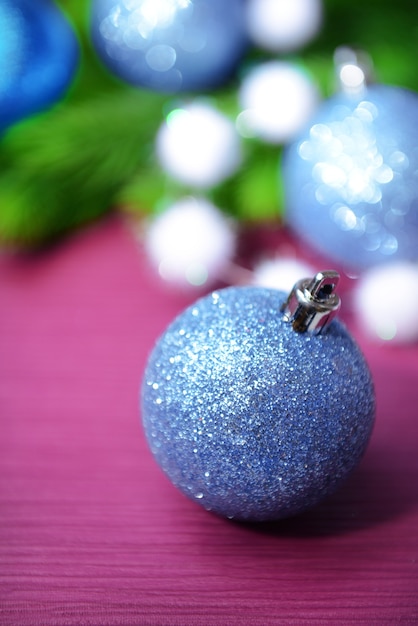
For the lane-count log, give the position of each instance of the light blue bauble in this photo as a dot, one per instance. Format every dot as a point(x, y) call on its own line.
point(170, 45)
point(39, 53)
point(247, 417)
point(351, 178)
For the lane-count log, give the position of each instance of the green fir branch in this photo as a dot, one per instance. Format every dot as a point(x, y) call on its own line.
point(67, 167)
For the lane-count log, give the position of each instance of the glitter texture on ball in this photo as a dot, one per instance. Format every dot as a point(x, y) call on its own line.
point(170, 45)
point(351, 178)
point(248, 418)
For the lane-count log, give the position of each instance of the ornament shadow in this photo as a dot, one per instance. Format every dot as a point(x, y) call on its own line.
point(380, 490)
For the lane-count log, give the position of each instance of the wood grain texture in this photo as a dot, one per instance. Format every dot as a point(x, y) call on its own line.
point(91, 532)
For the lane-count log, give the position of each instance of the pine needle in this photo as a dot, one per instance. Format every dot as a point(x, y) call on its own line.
point(65, 168)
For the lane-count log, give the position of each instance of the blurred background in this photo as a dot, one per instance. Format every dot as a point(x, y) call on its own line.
point(215, 128)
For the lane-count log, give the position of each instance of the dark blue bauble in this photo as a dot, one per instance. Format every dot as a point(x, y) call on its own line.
point(248, 418)
point(39, 52)
point(170, 45)
point(351, 178)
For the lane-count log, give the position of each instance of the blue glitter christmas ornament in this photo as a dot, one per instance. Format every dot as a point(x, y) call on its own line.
point(252, 407)
point(39, 52)
point(170, 45)
point(351, 178)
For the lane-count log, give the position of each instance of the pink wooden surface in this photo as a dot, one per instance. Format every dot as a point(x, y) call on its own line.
point(91, 532)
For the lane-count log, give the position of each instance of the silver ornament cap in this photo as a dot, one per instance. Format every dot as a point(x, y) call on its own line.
point(313, 302)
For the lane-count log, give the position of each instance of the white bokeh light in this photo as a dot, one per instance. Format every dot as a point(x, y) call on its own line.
point(283, 24)
point(277, 99)
point(281, 273)
point(190, 243)
point(354, 69)
point(198, 146)
point(386, 302)
point(352, 77)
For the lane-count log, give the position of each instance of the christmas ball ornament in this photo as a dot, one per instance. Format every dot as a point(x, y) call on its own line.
point(257, 405)
point(190, 243)
point(381, 313)
point(277, 99)
point(170, 45)
point(198, 146)
point(39, 56)
point(350, 178)
point(283, 25)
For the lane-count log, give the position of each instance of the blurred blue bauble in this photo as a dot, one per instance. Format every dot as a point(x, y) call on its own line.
point(170, 45)
point(249, 418)
point(39, 52)
point(352, 178)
